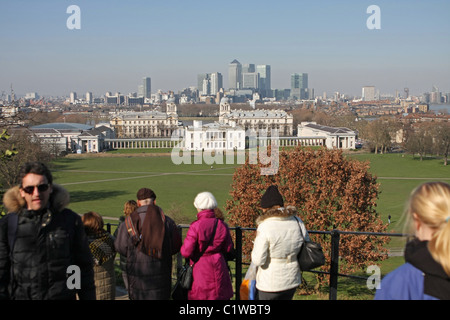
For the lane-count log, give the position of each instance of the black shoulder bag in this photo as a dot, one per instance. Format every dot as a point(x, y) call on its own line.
point(311, 255)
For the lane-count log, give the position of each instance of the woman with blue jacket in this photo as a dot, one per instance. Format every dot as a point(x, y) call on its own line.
point(426, 273)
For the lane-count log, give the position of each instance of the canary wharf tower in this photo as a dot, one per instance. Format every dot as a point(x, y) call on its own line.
point(234, 75)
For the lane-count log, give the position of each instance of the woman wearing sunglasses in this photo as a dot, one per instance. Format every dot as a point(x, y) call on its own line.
point(40, 239)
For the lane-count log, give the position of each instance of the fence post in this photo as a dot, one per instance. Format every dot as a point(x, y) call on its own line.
point(238, 276)
point(334, 267)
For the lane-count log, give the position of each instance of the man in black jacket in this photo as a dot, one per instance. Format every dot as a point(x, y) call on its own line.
point(44, 252)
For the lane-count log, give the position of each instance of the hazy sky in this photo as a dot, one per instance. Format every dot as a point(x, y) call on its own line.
point(172, 41)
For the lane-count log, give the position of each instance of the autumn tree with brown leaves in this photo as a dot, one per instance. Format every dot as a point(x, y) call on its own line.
point(329, 191)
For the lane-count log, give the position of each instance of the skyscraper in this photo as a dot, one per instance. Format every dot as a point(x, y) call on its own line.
point(216, 82)
point(147, 87)
point(209, 83)
point(299, 86)
point(368, 93)
point(234, 75)
point(264, 79)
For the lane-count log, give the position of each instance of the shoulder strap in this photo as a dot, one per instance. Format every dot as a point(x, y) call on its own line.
point(210, 239)
point(131, 228)
point(13, 219)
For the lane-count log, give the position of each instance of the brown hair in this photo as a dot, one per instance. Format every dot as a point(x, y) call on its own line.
point(129, 207)
point(93, 222)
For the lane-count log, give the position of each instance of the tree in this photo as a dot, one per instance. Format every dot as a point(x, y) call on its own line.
point(329, 191)
point(28, 149)
point(441, 140)
point(419, 139)
point(379, 134)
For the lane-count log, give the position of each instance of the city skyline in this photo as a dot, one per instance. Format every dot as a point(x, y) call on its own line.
point(172, 42)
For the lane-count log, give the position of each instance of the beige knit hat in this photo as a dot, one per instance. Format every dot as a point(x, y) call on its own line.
point(205, 200)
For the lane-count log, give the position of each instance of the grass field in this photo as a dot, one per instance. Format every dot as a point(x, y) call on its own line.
point(103, 184)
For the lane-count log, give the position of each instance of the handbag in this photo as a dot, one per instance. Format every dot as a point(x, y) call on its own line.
point(186, 274)
point(311, 255)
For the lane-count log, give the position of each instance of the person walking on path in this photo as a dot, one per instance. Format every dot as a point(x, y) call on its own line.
point(148, 239)
point(101, 244)
point(209, 238)
point(426, 272)
point(40, 239)
point(276, 246)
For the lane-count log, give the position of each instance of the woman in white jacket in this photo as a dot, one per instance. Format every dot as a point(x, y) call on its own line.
point(276, 246)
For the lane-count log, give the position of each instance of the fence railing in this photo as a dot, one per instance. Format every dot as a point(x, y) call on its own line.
point(334, 263)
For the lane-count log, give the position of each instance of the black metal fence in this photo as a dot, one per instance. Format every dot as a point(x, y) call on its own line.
point(334, 264)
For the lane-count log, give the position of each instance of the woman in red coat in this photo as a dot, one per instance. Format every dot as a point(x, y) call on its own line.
point(211, 274)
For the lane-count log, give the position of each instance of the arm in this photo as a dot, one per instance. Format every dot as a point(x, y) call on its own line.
point(260, 252)
point(5, 263)
point(83, 259)
point(121, 242)
point(190, 242)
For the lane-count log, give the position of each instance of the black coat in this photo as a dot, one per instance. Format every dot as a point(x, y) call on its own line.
point(46, 244)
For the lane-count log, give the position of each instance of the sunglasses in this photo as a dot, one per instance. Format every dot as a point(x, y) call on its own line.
point(41, 188)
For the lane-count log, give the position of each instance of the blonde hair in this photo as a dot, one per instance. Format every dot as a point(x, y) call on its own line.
point(431, 203)
point(129, 207)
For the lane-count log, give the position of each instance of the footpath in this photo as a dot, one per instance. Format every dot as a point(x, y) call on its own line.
point(121, 293)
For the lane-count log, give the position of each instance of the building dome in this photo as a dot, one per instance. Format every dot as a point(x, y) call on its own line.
point(63, 126)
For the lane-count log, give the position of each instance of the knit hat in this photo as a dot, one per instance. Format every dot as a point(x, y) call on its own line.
point(205, 200)
point(145, 193)
point(271, 197)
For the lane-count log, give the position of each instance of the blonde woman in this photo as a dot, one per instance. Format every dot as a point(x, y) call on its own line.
point(128, 208)
point(426, 273)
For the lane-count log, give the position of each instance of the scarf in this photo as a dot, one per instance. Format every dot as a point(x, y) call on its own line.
point(436, 281)
point(102, 247)
point(151, 230)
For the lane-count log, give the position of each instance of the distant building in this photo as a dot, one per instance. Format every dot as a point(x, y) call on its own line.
point(265, 85)
point(147, 87)
point(234, 75)
point(257, 120)
point(146, 124)
point(368, 93)
point(299, 86)
point(89, 97)
point(314, 134)
point(72, 137)
point(214, 136)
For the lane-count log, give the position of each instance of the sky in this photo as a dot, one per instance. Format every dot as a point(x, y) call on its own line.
point(172, 41)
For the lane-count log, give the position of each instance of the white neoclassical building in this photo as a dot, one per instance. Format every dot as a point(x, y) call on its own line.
point(265, 120)
point(146, 124)
point(313, 134)
point(73, 137)
point(214, 136)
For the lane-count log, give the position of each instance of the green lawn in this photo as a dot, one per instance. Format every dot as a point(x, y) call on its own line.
point(104, 184)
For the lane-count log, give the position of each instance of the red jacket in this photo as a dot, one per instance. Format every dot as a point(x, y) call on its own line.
point(211, 274)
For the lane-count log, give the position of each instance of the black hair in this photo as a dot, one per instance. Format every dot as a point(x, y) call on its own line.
point(36, 168)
